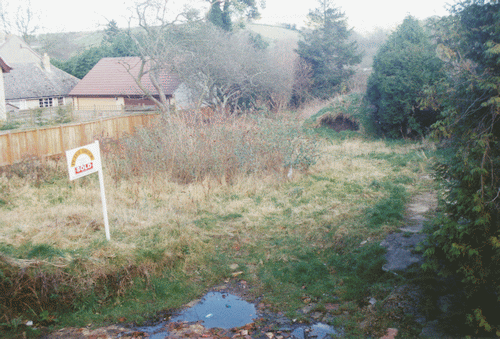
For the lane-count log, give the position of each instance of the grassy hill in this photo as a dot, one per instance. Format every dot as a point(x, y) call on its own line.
point(62, 46)
point(274, 32)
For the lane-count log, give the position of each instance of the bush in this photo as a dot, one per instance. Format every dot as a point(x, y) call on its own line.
point(465, 241)
point(402, 67)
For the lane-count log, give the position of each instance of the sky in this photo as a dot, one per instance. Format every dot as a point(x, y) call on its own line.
point(89, 15)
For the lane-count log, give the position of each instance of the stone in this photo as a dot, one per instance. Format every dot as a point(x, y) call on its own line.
point(317, 316)
point(332, 307)
point(432, 330)
point(400, 251)
point(391, 333)
point(307, 309)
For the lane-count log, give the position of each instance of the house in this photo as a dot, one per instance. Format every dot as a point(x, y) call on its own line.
point(31, 86)
point(13, 49)
point(110, 85)
point(4, 68)
point(33, 82)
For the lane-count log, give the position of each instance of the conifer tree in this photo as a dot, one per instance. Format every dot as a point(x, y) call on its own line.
point(402, 68)
point(326, 49)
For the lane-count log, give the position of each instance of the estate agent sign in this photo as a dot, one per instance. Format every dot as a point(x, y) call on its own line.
point(86, 160)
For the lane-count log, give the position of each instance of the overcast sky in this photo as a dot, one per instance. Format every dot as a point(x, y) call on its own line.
point(87, 15)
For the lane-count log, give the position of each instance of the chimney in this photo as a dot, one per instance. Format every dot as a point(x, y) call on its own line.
point(46, 62)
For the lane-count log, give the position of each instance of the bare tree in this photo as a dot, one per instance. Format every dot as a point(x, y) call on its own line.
point(226, 71)
point(302, 82)
point(156, 44)
point(24, 22)
point(219, 69)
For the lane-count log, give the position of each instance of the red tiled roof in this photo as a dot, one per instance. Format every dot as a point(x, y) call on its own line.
point(109, 77)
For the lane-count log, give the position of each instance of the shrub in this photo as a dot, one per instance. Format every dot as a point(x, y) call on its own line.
point(464, 242)
point(402, 67)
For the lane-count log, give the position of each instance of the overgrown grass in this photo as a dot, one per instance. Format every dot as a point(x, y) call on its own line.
point(186, 202)
point(188, 152)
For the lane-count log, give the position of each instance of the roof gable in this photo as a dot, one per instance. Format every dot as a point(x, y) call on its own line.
point(16, 50)
point(30, 81)
point(112, 77)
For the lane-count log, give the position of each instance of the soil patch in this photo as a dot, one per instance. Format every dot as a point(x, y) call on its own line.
point(339, 123)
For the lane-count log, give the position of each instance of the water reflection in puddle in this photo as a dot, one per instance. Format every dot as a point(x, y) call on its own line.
point(318, 331)
point(227, 311)
point(219, 310)
point(215, 310)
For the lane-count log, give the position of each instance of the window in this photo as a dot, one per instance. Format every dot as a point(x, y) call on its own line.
point(45, 102)
point(60, 101)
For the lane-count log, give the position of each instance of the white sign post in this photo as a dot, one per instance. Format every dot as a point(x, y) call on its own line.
point(86, 160)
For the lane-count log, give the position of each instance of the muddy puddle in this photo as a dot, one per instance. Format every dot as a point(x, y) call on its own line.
point(214, 310)
point(217, 310)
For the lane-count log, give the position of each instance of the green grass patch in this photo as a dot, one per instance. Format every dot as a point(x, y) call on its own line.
point(388, 210)
point(44, 251)
point(326, 276)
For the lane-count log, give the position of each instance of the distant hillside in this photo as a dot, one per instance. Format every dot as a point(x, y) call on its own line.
point(62, 46)
point(274, 33)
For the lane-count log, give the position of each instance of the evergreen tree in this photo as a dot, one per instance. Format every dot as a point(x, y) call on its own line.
point(403, 66)
point(111, 32)
point(215, 15)
point(115, 43)
point(326, 48)
point(221, 11)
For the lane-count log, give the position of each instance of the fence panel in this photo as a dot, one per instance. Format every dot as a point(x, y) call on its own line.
point(49, 141)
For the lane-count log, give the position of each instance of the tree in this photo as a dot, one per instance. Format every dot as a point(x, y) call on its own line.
point(23, 22)
point(236, 75)
point(326, 49)
point(112, 32)
point(158, 44)
point(403, 66)
point(465, 241)
point(116, 43)
point(221, 11)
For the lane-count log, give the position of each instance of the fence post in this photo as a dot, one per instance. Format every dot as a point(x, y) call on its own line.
point(9, 149)
point(131, 124)
point(83, 139)
point(38, 151)
point(61, 139)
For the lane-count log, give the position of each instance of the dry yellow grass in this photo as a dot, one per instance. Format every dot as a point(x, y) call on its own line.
point(148, 211)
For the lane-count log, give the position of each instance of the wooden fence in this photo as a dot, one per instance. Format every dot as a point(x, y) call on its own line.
point(49, 115)
point(45, 142)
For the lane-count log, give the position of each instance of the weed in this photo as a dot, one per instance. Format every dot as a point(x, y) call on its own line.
point(361, 268)
point(194, 152)
point(206, 223)
point(9, 125)
point(44, 251)
point(231, 216)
